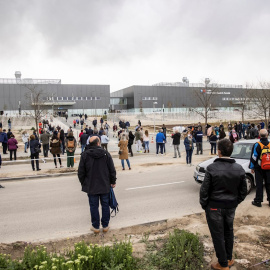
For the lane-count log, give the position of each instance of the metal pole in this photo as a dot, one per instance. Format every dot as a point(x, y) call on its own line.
point(154, 119)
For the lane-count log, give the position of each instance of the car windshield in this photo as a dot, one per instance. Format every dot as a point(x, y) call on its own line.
point(242, 151)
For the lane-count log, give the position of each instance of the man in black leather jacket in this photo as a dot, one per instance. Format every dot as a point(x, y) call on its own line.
point(223, 188)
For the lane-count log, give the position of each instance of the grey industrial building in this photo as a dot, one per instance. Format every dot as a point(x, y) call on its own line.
point(17, 96)
point(176, 97)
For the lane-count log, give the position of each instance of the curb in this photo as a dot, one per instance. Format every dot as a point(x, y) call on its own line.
point(36, 176)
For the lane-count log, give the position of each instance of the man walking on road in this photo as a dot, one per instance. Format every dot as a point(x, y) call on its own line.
point(223, 188)
point(257, 166)
point(97, 175)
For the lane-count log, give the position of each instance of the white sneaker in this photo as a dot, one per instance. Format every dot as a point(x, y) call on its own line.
point(93, 229)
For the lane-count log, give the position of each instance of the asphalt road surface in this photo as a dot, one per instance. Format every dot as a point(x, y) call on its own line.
point(43, 209)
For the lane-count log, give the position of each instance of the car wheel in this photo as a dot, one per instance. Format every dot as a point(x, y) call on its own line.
point(250, 183)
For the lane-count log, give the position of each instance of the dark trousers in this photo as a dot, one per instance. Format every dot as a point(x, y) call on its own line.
point(36, 157)
point(4, 148)
point(104, 146)
point(130, 149)
point(45, 150)
point(261, 175)
point(59, 159)
point(11, 153)
point(213, 148)
point(189, 156)
point(105, 209)
point(220, 223)
point(161, 147)
point(199, 147)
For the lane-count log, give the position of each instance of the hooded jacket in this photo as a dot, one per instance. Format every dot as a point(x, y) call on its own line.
point(55, 147)
point(12, 144)
point(96, 171)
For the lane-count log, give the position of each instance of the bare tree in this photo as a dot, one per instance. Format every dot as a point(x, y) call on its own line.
point(243, 100)
point(204, 99)
point(260, 99)
point(34, 99)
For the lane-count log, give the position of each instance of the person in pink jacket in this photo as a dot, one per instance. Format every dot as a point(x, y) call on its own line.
point(12, 146)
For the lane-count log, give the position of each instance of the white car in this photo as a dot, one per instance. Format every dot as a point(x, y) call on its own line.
point(241, 153)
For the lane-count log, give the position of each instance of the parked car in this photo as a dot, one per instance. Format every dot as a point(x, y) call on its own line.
point(241, 153)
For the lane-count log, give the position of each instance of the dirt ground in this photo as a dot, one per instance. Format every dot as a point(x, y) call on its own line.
point(252, 237)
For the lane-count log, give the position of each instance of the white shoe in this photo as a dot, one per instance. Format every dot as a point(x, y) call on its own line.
point(93, 229)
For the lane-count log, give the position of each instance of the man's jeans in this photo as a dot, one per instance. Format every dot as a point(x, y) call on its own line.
point(199, 147)
point(161, 147)
point(261, 175)
point(176, 150)
point(83, 146)
point(45, 150)
point(94, 205)
point(220, 223)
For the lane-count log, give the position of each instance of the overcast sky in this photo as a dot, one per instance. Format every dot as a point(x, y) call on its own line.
point(127, 42)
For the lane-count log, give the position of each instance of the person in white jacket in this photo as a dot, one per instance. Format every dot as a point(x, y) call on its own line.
point(146, 141)
point(25, 139)
point(104, 141)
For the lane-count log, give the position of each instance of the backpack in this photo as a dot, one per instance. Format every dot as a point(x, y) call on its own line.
point(70, 144)
point(265, 156)
point(113, 203)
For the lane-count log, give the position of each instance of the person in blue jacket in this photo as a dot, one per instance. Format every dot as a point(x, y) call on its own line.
point(189, 145)
point(159, 141)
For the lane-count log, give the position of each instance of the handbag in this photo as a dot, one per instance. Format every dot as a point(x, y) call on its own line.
point(37, 150)
point(120, 152)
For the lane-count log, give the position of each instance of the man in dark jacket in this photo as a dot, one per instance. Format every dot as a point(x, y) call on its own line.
point(199, 141)
point(176, 142)
point(4, 140)
point(223, 188)
point(83, 139)
point(97, 175)
point(260, 174)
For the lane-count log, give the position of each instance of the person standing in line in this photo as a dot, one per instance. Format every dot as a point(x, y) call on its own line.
point(130, 142)
point(104, 141)
point(34, 150)
point(138, 138)
point(4, 140)
point(71, 145)
point(9, 123)
point(83, 140)
point(189, 145)
point(164, 130)
point(9, 133)
point(62, 139)
point(25, 139)
point(12, 146)
point(55, 145)
point(146, 141)
point(199, 141)
point(45, 140)
point(97, 175)
point(256, 164)
point(176, 143)
point(159, 141)
point(123, 151)
point(223, 189)
point(101, 122)
point(222, 133)
point(213, 142)
point(94, 123)
point(234, 136)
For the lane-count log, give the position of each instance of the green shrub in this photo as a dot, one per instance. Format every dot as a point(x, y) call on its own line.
point(84, 257)
point(182, 250)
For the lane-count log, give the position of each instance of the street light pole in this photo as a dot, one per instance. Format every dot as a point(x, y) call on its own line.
point(154, 103)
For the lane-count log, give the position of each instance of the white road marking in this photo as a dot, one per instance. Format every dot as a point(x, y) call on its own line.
point(156, 185)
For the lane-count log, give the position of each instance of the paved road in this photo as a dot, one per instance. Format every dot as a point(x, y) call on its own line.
point(43, 209)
